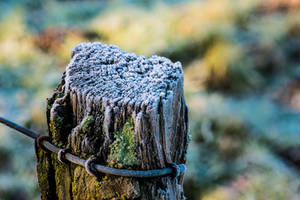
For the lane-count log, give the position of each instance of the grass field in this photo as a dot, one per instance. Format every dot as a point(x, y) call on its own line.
point(242, 84)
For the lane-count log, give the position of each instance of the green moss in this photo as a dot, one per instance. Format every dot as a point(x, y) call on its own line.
point(77, 180)
point(122, 150)
point(85, 186)
point(97, 184)
point(74, 189)
point(86, 123)
point(60, 94)
point(78, 136)
point(62, 178)
point(45, 175)
point(55, 127)
point(44, 172)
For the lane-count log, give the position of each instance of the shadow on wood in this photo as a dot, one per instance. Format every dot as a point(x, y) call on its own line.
point(127, 110)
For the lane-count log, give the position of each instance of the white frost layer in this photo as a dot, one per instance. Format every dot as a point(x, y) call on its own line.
point(107, 71)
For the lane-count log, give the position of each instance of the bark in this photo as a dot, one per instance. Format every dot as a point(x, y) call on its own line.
point(127, 110)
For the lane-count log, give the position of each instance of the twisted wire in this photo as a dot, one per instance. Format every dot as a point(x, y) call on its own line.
point(174, 169)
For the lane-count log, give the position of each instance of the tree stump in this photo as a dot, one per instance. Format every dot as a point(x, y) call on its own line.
point(127, 110)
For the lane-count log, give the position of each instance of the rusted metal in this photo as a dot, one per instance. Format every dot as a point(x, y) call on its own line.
point(45, 144)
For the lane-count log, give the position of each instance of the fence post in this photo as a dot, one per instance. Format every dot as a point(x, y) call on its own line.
point(128, 111)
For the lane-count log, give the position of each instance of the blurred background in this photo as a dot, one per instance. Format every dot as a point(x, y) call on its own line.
point(242, 84)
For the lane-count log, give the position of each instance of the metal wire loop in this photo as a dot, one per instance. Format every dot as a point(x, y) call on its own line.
point(90, 169)
point(176, 170)
point(40, 139)
point(91, 165)
point(61, 155)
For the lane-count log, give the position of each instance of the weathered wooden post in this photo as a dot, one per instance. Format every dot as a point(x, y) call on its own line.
point(128, 111)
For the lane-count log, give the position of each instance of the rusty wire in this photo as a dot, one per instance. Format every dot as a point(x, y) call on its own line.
point(173, 170)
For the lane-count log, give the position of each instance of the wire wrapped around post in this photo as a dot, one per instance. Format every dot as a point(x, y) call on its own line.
point(64, 155)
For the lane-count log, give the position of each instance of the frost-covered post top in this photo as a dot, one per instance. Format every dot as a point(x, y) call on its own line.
point(126, 110)
point(120, 77)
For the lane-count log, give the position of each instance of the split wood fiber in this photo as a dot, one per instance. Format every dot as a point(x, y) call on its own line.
point(127, 110)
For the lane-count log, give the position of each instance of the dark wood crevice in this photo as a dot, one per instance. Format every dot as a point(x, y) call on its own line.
point(102, 89)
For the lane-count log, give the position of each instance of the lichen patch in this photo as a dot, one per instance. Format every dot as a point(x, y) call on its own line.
point(122, 150)
point(86, 123)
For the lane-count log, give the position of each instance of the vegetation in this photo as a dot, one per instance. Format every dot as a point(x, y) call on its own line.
point(241, 61)
point(123, 148)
